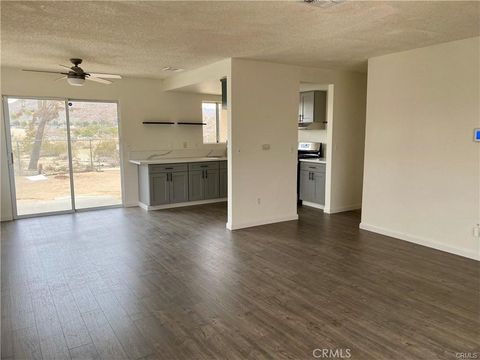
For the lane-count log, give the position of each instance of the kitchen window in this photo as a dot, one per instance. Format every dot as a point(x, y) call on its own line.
point(215, 119)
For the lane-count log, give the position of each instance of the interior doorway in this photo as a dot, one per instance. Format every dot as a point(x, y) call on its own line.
point(64, 155)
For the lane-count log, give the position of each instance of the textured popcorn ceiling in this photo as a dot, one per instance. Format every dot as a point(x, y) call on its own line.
point(139, 38)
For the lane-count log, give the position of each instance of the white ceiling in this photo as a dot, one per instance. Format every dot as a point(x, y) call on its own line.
point(139, 38)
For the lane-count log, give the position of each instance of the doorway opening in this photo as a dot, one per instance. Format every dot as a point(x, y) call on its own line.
point(64, 155)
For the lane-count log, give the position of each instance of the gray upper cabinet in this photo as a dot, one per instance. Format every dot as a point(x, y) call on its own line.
point(312, 182)
point(313, 108)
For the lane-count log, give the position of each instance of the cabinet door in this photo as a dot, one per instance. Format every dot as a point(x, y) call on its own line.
point(300, 108)
point(159, 189)
point(223, 183)
point(178, 187)
point(320, 115)
point(195, 185)
point(308, 106)
point(211, 181)
point(319, 180)
point(307, 186)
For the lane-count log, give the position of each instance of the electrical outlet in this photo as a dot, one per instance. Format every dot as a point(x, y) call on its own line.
point(185, 144)
point(259, 201)
point(476, 231)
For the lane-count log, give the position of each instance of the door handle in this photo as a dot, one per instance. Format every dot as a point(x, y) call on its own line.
point(11, 157)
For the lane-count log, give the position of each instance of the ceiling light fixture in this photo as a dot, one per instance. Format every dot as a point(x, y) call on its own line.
point(76, 81)
point(324, 3)
point(171, 68)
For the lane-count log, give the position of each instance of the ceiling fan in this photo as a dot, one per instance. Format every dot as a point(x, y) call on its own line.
point(76, 76)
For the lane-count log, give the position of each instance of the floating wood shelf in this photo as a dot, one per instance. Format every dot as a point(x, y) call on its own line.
point(158, 123)
point(190, 123)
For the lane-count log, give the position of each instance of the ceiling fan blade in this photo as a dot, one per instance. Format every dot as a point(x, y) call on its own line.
point(43, 71)
point(102, 81)
point(106, 76)
point(61, 78)
point(65, 66)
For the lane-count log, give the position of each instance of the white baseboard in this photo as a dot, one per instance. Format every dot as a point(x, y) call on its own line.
point(127, 205)
point(314, 205)
point(333, 210)
point(248, 224)
point(421, 241)
point(177, 205)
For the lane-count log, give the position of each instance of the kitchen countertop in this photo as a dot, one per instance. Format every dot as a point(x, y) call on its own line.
point(177, 160)
point(316, 161)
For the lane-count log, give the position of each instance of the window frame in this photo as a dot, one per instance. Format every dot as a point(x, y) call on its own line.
point(218, 105)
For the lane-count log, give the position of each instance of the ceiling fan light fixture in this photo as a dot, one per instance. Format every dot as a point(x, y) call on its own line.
point(76, 81)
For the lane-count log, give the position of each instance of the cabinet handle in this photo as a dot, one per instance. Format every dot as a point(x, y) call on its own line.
point(203, 166)
point(206, 174)
point(203, 174)
point(169, 168)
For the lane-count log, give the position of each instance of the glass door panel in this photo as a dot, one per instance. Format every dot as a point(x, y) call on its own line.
point(39, 148)
point(95, 153)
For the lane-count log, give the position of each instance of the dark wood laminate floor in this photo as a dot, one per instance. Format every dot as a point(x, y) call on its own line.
point(176, 284)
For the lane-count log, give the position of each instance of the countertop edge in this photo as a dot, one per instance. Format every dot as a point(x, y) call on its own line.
point(315, 161)
point(176, 160)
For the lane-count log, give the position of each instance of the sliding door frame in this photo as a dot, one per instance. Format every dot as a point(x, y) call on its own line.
point(120, 150)
point(11, 169)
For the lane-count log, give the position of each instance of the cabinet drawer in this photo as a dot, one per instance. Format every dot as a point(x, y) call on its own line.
point(222, 164)
point(166, 168)
point(203, 165)
point(312, 167)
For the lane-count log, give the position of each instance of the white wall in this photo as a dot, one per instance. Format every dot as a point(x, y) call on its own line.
point(347, 132)
point(422, 168)
point(264, 110)
point(139, 99)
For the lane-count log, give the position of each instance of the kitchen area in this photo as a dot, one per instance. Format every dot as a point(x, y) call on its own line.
point(314, 132)
point(173, 182)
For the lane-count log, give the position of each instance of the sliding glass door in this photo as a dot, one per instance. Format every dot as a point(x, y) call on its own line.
point(64, 155)
point(95, 153)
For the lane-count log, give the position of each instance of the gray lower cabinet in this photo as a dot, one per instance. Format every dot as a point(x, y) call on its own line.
point(196, 188)
point(168, 188)
point(312, 182)
point(212, 184)
point(223, 184)
point(159, 189)
point(178, 187)
point(203, 181)
point(162, 184)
